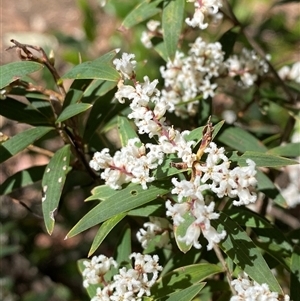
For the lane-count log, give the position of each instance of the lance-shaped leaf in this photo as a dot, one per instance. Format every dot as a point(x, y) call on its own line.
point(183, 277)
point(240, 248)
point(73, 110)
point(22, 178)
point(124, 200)
point(241, 140)
point(172, 19)
point(14, 71)
point(100, 68)
point(104, 230)
point(126, 130)
point(295, 275)
point(53, 183)
point(287, 150)
point(186, 294)
point(20, 141)
point(141, 12)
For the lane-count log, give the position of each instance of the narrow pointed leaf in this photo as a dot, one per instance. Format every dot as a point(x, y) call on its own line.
point(295, 275)
point(100, 68)
point(20, 141)
point(102, 193)
point(265, 160)
point(123, 249)
point(104, 230)
point(126, 130)
point(22, 178)
point(186, 294)
point(72, 110)
point(124, 200)
point(23, 113)
point(183, 277)
point(287, 150)
point(141, 12)
point(14, 71)
point(172, 20)
point(240, 248)
point(241, 140)
point(53, 183)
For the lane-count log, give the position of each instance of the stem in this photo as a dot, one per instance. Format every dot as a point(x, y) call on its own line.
point(223, 262)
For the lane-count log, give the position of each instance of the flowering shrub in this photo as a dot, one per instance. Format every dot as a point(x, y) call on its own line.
point(192, 177)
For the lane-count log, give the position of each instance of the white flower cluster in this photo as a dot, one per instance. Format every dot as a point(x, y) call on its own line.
point(290, 73)
point(248, 290)
point(129, 284)
point(188, 76)
point(216, 176)
point(247, 67)
point(204, 9)
point(156, 226)
point(130, 164)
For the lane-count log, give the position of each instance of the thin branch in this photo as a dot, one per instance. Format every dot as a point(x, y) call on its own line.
point(26, 55)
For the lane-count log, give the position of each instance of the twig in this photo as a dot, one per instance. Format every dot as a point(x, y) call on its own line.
point(40, 151)
point(27, 55)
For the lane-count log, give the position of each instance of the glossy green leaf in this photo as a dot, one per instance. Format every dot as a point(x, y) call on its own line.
point(183, 277)
point(268, 237)
point(241, 140)
point(141, 12)
point(156, 208)
point(172, 19)
point(124, 200)
point(186, 294)
point(104, 230)
point(240, 248)
point(100, 68)
point(295, 274)
point(23, 113)
point(92, 288)
point(53, 183)
point(20, 141)
point(180, 231)
point(72, 110)
point(287, 150)
point(126, 130)
point(102, 193)
point(265, 160)
point(161, 49)
point(123, 249)
point(14, 71)
point(97, 89)
point(22, 178)
point(265, 185)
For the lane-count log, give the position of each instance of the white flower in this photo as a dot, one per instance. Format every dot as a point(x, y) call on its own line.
point(126, 65)
point(290, 73)
point(177, 211)
point(249, 290)
point(192, 235)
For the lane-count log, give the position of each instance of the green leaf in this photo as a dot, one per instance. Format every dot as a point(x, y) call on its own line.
point(295, 274)
point(123, 249)
point(172, 19)
point(23, 113)
point(126, 130)
point(92, 288)
point(265, 185)
point(72, 110)
point(102, 193)
point(197, 133)
point(268, 237)
point(100, 68)
point(265, 160)
point(287, 150)
point(8, 250)
point(241, 140)
point(124, 200)
point(161, 49)
point(53, 183)
point(156, 208)
point(141, 12)
point(104, 230)
point(186, 294)
point(20, 141)
point(180, 231)
point(14, 71)
point(97, 89)
point(183, 277)
point(240, 248)
point(22, 178)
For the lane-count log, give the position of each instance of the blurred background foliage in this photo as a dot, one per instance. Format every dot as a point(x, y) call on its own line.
point(36, 266)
